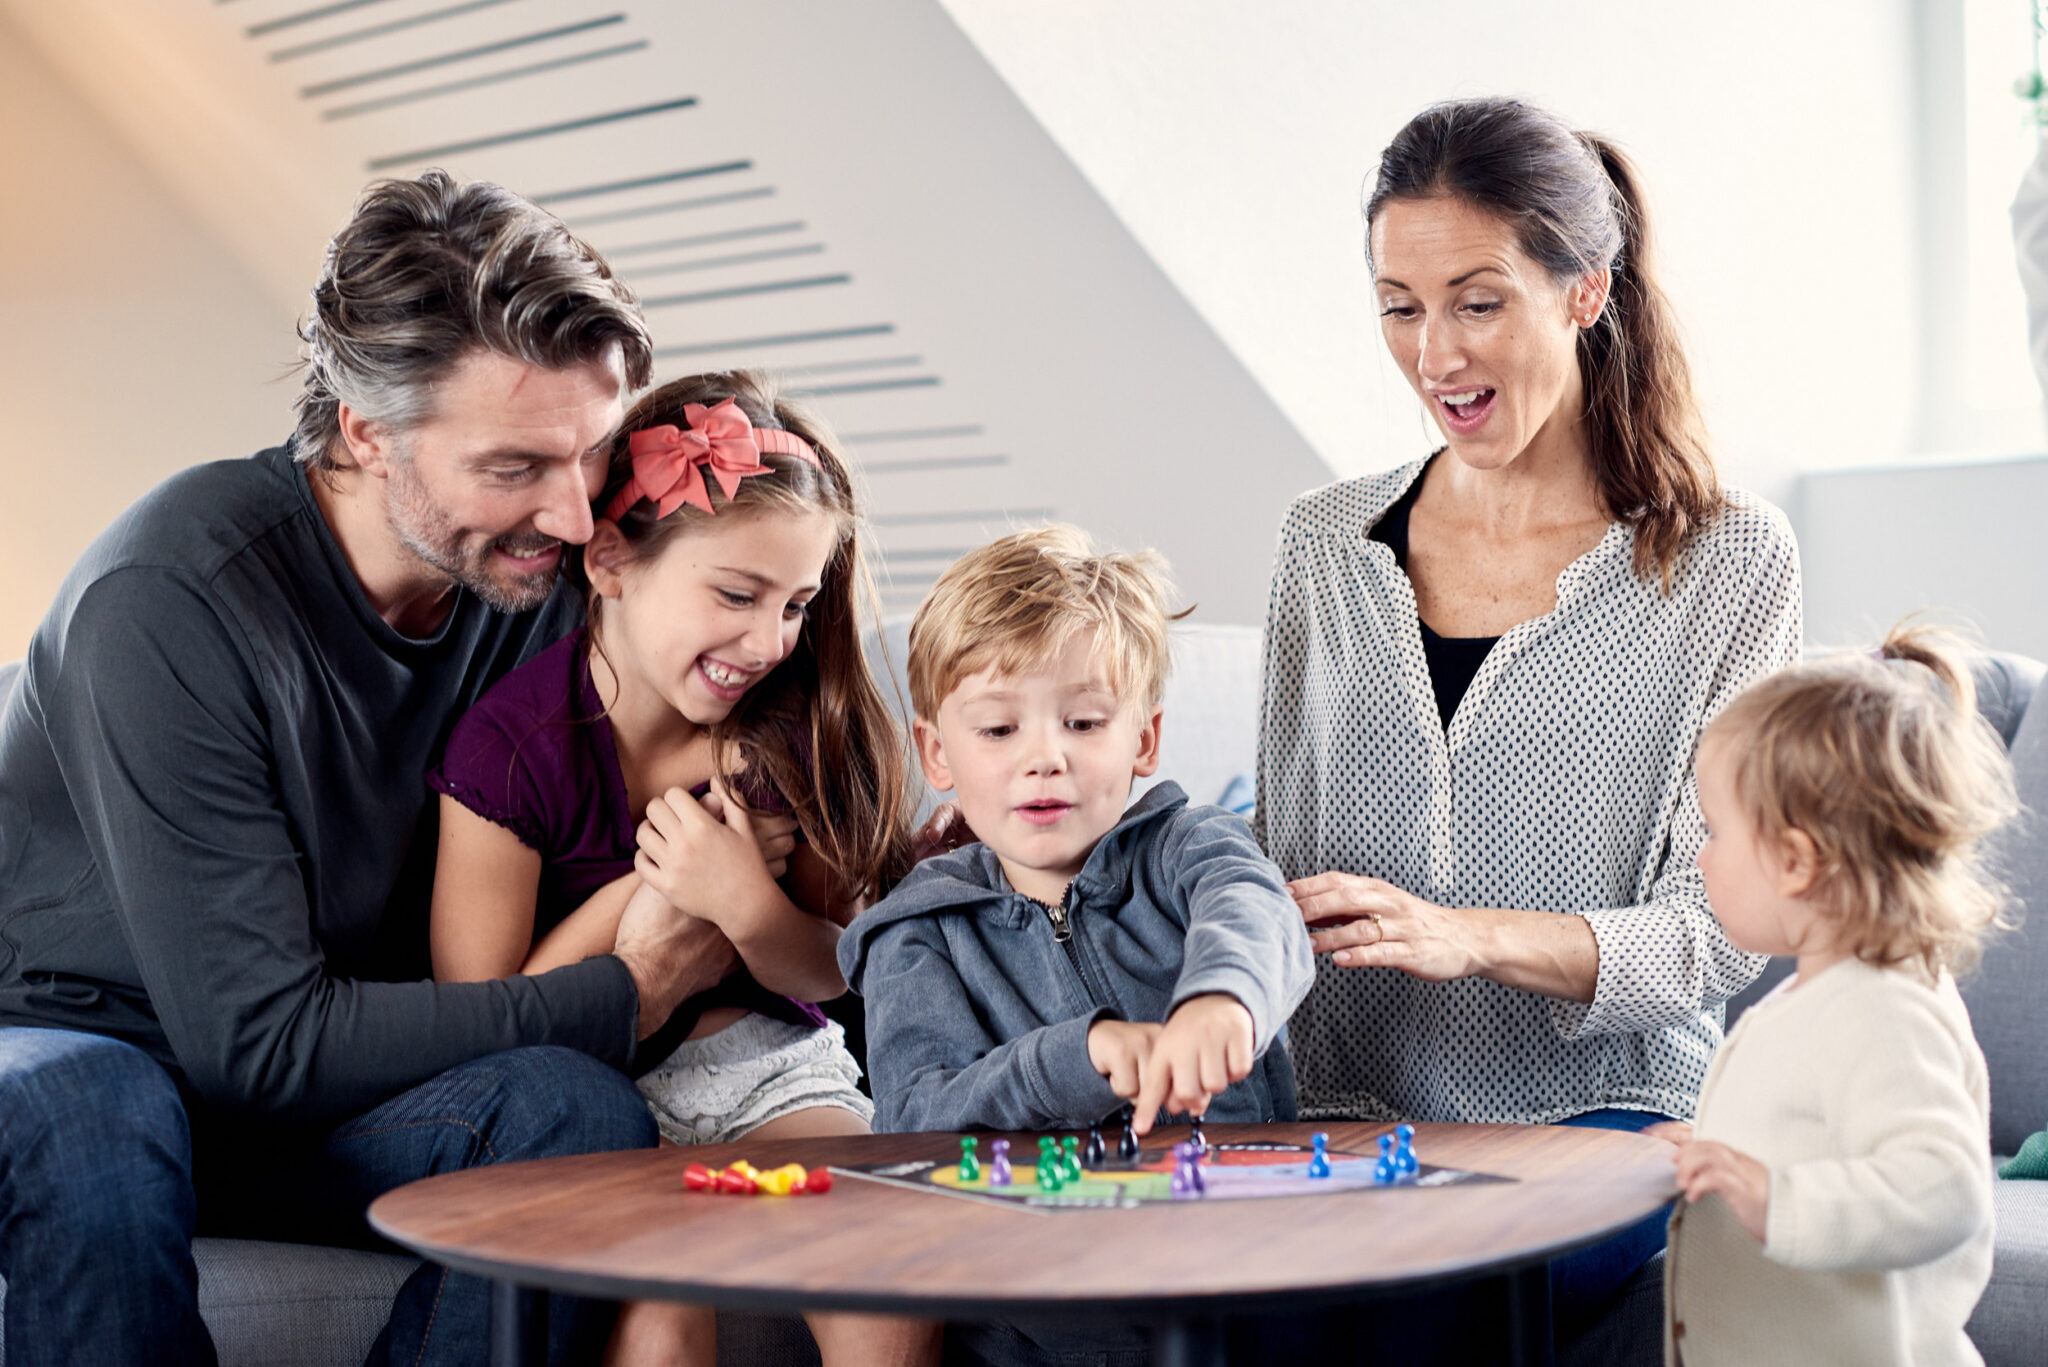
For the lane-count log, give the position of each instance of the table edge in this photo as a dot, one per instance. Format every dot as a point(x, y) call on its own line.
point(799, 1301)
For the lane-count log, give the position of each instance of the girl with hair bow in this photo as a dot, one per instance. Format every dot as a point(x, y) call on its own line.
point(712, 738)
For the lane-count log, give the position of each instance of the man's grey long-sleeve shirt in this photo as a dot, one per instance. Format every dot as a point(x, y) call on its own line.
point(216, 839)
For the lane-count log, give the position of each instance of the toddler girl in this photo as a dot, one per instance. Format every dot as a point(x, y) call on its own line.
point(717, 705)
point(1843, 1129)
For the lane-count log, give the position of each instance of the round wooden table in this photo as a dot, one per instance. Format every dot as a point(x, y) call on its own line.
point(621, 1226)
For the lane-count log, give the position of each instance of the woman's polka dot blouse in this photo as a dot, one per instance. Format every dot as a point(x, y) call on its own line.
point(1564, 783)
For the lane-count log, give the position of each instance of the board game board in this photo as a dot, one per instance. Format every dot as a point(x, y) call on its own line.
point(1233, 1172)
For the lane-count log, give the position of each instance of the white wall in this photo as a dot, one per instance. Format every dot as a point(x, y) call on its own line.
point(132, 344)
point(1964, 542)
point(1776, 140)
point(952, 273)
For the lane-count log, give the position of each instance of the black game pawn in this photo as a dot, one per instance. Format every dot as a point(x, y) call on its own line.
point(1097, 1152)
point(1127, 1143)
point(1195, 1136)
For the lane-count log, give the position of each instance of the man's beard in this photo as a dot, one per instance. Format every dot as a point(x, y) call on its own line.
point(430, 534)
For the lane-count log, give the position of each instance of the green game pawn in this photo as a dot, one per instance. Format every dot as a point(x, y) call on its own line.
point(1049, 1175)
point(970, 1161)
point(1070, 1159)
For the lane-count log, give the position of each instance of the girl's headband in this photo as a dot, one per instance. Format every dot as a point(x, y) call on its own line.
point(669, 461)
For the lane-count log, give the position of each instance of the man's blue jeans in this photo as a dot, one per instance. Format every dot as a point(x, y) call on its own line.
point(106, 1172)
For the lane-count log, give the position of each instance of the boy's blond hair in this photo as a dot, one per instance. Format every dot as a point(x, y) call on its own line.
point(1884, 763)
point(1014, 604)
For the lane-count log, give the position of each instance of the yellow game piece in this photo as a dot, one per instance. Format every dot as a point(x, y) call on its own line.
point(783, 1181)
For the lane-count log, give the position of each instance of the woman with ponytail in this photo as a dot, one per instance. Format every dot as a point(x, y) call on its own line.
point(1487, 671)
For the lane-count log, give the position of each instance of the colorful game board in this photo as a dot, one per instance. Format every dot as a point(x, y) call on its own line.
point(1233, 1172)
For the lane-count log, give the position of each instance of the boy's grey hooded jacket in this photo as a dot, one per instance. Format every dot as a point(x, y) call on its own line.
point(978, 1010)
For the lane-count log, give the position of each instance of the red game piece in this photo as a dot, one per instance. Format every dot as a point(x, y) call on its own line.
point(697, 1177)
point(819, 1182)
point(739, 1182)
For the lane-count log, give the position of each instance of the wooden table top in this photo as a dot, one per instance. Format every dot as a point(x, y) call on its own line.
point(621, 1225)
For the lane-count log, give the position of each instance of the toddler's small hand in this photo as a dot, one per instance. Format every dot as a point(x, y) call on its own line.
point(1709, 1169)
point(1204, 1047)
point(1118, 1050)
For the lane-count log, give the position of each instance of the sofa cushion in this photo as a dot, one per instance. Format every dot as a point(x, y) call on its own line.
point(2005, 686)
point(2006, 993)
point(2011, 1321)
point(295, 1305)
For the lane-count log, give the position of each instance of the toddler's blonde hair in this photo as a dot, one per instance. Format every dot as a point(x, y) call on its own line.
point(1883, 762)
point(1014, 604)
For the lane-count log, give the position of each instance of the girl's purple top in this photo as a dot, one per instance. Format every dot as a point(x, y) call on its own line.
point(536, 756)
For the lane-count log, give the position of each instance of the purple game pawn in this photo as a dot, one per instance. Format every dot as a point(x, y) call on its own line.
point(999, 1163)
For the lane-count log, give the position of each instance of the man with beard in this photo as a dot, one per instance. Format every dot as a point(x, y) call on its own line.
point(216, 842)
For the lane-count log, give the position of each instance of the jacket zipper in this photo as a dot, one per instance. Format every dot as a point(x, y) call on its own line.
point(1063, 936)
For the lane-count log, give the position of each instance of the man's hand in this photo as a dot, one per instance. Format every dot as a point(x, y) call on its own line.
point(1205, 1045)
point(703, 857)
point(1119, 1050)
point(1709, 1169)
point(670, 955)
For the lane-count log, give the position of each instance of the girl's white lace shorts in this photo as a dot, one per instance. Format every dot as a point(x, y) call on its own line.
point(717, 1088)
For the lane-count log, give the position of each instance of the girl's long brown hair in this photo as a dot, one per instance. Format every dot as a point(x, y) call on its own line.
point(1576, 205)
point(848, 793)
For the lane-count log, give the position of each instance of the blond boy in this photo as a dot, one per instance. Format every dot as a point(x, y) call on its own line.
point(1078, 956)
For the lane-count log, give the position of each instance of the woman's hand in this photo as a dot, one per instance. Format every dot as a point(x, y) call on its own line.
point(709, 865)
point(1369, 923)
point(1709, 1169)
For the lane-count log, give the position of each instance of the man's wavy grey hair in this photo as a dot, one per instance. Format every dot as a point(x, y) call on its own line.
point(427, 271)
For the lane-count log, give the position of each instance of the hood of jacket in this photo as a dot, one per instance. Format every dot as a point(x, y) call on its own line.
point(970, 879)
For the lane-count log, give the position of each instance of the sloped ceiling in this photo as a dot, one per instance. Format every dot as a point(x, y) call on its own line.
point(847, 193)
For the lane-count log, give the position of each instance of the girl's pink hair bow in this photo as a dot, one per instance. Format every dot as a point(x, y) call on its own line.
point(669, 461)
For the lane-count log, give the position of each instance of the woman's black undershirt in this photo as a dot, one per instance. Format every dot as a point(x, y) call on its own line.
point(1453, 660)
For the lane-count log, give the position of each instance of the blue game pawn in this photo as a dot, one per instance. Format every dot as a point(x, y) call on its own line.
point(1319, 1161)
point(1384, 1173)
point(1404, 1152)
point(999, 1163)
point(970, 1161)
